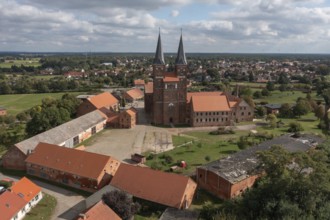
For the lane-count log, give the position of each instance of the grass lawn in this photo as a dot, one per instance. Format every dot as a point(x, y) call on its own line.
point(283, 97)
point(44, 209)
point(207, 148)
point(17, 103)
point(309, 122)
point(31, 62)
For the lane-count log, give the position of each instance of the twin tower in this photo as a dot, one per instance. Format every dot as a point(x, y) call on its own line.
point(169, 98)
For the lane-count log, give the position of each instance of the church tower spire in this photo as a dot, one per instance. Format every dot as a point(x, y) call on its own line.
point(181, 56)
point(159, 56)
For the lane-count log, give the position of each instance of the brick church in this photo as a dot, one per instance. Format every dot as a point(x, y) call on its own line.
point(168, 102)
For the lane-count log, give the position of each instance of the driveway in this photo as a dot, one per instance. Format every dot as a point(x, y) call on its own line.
point(65, 199)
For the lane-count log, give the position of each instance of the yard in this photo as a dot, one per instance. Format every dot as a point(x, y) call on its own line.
point(205, 147)
point(283, 97)
point(44, 209)
point(19, 102)
point(28, 62)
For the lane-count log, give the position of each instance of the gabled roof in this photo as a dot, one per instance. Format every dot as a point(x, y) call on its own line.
point(181, 56)
point(149, 87)
point(102, 100)
point(171, 77)
point(77, 162)
point(153, 185)
point(191, 94)
point(159, 56)
point(25, 189)
point(135, 93)
point(139, 82)
point(100, 211)
point(210, 103)
point(10, 204)
point(130, 112)
point(63, 132)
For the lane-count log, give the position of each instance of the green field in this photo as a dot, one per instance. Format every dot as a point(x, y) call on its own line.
point(44, 209)
point(30, 62)
point(19, 102)
point(283, 97)
point(204, 145)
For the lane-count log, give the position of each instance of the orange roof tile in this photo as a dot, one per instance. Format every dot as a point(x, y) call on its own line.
point(153, 185)
point(135, 93)
point(102, 100)
point(25, 189)
point(171, 77)
point(81, 163)
point(149, 87)
point(232, 104)
point(10, 204)
point(191, 94)
point(100, 211)
point(210, 103)
point(130, 112)
point(139, 82)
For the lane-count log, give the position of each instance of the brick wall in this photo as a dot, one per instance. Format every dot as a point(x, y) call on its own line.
point(14, 159)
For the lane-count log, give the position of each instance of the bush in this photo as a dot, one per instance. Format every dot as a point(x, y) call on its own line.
point(150, 156)
point(156, 165)
point(207, 158)
point(168, 159)
point(295, 127)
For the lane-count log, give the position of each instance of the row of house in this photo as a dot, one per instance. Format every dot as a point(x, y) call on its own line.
point(19, 199)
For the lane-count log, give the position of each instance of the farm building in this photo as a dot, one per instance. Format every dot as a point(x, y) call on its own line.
point(102, 101)
point(19, 199)
point(126, 118)
point(80, 169)
point(230, 176)
point(68, 135)
point(167, 189)
point(139, 83)
point(133, 95)
point(99, 211)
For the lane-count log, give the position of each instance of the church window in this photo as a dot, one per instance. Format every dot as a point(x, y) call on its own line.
point(249, 113)
point(242, 113)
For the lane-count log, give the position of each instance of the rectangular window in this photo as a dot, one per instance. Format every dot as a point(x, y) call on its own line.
point(93, 130)
point(76, 140)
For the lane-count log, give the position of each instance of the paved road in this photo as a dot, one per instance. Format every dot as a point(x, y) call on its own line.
point(65, 199)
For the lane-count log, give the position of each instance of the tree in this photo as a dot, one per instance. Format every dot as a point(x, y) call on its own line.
point(270, 86)
point(251, 77)
point(319, 111)
point(295, 127)
point(272, 120)
point(249, 101)
point(301, 108)
point(283, 78)
point(265, 92)
point(285, 111)
point(121, 203)
point(260, 111)
point(257, 94)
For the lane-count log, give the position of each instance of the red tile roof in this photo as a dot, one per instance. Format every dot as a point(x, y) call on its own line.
point(102, 100)
point(191, 94)
point(135, 93)
point(131, 112)
point(138, 82)
point(81, 163)
point(149, 87)
point(156, 186)
point(210, 103)
point(25, 189)
point(10, 204)
point(100, 211)
point(171, 77)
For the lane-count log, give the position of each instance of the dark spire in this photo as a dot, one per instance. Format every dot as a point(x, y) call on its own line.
point(181, 56)
point(159, 56)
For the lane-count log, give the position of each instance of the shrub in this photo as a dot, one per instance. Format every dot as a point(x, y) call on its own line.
point(295, 127)
point(168, 159)
point(156, 165)
point(207, 158)
point(150, 157)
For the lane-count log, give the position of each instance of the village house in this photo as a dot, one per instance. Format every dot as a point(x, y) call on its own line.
point(133, 95)
point(76, 168)
point(100, 211)
point(75, 75)
point(126, 118)
point(273, 108)
point(19, 199)
point(68, 134)
point(139, 83)
point(104, 101)
point(168, 189)
point(3, 111)
point(230, 176)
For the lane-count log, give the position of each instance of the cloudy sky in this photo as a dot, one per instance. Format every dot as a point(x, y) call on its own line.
point(244, 26)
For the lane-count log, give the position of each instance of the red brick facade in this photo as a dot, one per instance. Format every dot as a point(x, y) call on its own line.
point(14, 159)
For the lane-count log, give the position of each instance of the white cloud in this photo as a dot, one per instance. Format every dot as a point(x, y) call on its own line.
point(175, 13)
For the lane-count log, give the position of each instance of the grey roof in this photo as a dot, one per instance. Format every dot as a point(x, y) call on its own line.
point(181, 56)
point(273, 106)
point(63, 132)
point(178, 214)
point(159, 56)
point(240, 165)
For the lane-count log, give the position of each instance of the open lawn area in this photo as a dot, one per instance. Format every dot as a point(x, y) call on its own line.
point(43, 210)
point(283, 97)
point(29, 62)
point(205, 148)
point(17, 103)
